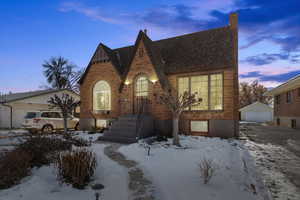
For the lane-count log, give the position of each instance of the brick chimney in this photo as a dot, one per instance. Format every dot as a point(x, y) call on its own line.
point(233, 20)
point(145, 31)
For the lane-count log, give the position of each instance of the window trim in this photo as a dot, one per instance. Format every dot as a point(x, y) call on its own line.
point(93, 96)
point(286, 97)
point(189, 90)
point(199, 132)
point(277, 99)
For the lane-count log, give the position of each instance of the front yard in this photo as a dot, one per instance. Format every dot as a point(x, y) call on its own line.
point(168, 173)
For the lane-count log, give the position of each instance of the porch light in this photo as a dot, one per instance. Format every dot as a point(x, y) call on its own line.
point(154, 81)
point(127, 82)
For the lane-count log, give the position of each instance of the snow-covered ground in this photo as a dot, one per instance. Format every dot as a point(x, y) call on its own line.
point(42, 184)
point(174, 172)
point(176, 175)
point(269, 158)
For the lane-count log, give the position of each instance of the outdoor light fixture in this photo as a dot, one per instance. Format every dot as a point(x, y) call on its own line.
point(127, 82)
point(154, 81)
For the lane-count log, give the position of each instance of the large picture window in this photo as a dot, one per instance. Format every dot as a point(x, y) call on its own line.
point(208, 87)
point(102, 96)
point(199, 84)
point(216, 92)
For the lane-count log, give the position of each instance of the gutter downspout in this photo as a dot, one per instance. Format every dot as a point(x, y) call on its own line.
point(11, 112)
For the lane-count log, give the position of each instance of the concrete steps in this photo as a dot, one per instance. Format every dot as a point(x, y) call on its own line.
point(128, 128)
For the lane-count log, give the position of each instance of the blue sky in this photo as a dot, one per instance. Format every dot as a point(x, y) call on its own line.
point(32, 31)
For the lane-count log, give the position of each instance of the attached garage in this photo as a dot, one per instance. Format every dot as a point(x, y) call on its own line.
point(257, 112)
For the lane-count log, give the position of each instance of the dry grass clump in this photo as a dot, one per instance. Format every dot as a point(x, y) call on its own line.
point(43, 149)
point(76, 167)
point(14, 166)
point(207, 170)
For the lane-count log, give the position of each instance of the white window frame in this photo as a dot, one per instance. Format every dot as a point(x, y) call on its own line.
point(95, 95)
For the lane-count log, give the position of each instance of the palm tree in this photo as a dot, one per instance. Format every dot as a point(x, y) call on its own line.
point(61, 74)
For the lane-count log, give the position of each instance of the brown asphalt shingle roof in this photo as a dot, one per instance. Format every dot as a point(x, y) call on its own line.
point(204, 50)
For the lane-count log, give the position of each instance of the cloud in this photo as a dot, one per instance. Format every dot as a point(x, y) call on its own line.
point(259, 20)
point(275, 77)
point(93, 13)
point(266, 58)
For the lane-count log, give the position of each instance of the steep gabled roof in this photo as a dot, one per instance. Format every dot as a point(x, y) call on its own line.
point(104, 54)
point(204, 50)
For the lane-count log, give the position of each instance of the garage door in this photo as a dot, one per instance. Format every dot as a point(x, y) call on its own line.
point(258, 116)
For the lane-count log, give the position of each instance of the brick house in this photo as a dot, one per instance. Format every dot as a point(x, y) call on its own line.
point(116, 80)
point(287, 103)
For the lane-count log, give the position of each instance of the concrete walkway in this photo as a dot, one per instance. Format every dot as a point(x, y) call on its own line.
point(141, 187)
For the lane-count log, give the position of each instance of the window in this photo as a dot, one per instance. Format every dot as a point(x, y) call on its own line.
point(293, 123)
point(277, 99)
point(54, 115)
point(45, 115)
point(208, 87)
point(141, 86)
point(30, 115)
point(216, 92)
point(199, 126)
point(102, 96)
point(199, 85)
point(289, 97)
point(278, 121)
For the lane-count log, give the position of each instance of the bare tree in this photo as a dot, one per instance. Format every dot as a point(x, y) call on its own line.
point(250, 93)
point(176, 104)
point(67, 104)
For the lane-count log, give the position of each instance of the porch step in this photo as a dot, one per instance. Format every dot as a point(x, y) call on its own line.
point(128, 128)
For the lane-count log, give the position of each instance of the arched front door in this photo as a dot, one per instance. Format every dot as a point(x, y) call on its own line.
point(141, 93)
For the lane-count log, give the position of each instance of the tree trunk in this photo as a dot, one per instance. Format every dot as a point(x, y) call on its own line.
point(65, 124)
point(175, 131)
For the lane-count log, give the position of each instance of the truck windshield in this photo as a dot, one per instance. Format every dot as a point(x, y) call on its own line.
point(30, 115)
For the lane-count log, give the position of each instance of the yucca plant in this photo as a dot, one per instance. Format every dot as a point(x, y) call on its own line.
point(76, 167)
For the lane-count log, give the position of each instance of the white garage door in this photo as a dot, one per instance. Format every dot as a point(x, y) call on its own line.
point(258, 116)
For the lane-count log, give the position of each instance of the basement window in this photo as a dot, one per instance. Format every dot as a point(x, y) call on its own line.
point(199, 126)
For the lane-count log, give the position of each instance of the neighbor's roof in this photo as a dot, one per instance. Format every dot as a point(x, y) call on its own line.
point(209, 49)
point(291, 84)
point(24, 95)
point(256, 106)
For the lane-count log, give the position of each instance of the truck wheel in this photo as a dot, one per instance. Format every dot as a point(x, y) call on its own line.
point(47, 129)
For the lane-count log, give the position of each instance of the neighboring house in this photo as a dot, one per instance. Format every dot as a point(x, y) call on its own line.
point(257, 112)
point(287, 103)
point(118, 81)
point(14, 107)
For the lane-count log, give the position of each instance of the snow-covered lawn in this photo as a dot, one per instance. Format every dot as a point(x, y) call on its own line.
point(173, 171)
point(176, 175)
point(42, 184)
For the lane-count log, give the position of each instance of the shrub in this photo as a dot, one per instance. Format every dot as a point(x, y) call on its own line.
point(76, 167)
point(79, 142)
point(14, 166)
point(207, 170)
point(43, 149)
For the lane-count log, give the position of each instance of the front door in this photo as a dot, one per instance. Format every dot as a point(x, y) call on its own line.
point(141, 93)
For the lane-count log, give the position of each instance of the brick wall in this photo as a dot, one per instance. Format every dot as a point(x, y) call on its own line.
point(100, 71)
point(123, 103)
point(285, 109)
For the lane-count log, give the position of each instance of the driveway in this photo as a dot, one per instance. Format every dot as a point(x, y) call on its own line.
point(277, 154)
